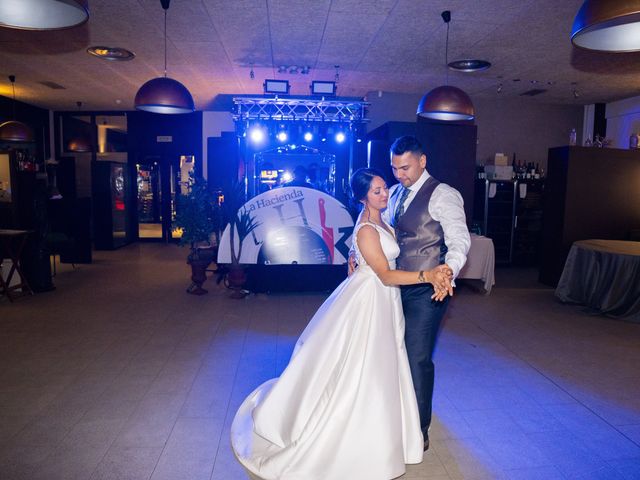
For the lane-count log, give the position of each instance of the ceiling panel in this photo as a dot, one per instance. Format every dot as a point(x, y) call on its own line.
point(389, 45)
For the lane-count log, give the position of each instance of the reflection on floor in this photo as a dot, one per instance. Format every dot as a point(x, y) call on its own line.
point(154, 230)
point(119, 374)
point(150, 230)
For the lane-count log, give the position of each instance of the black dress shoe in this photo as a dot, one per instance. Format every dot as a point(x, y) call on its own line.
point(426, 443)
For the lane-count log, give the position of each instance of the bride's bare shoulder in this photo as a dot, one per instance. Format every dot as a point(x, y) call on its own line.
point(366, 226)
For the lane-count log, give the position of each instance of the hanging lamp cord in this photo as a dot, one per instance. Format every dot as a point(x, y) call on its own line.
point(446, 55)
point(165, 42)
point(12, 79)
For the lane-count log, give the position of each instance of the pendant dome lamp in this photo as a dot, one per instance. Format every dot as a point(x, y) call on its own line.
point(164, 94)
point(608, 26)
point(14, 131)
point(80, 143)
point(43, 14)
point(446, 103)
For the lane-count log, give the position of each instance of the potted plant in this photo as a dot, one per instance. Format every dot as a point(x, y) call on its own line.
point(241, 224)
point(198, 215)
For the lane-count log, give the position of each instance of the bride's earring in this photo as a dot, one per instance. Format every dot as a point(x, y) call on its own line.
point(368, 210)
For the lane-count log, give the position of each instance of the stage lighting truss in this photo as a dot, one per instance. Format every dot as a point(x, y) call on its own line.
point(260, 108)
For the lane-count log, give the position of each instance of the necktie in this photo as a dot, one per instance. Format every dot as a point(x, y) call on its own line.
point(400, 206)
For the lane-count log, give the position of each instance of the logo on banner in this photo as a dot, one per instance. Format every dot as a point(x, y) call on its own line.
point(296, 225)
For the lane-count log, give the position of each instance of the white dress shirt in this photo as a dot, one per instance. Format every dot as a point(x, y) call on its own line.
point(446, 207)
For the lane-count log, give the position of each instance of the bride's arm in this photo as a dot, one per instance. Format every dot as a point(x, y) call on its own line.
point(369, 244)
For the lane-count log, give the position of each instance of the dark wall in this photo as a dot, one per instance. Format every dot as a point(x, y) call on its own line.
point(591, 193)
point(143, 129)
point(450, 150)
point(223, 157)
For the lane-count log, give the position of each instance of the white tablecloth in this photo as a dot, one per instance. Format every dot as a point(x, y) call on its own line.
point(481, 261)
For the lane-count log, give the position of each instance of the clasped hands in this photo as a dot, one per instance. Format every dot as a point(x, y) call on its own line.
point(441, 277)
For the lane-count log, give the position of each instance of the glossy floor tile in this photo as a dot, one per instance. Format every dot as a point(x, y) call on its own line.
point(119, 374)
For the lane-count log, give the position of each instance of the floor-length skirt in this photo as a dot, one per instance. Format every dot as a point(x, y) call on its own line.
point(344, 408)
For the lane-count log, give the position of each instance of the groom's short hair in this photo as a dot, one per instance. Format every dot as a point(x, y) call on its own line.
point(407, 143)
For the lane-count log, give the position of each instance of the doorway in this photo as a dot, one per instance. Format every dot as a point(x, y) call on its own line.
point(157, 181)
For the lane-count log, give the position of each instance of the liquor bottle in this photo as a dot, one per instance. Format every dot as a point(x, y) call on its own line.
point(573, 137)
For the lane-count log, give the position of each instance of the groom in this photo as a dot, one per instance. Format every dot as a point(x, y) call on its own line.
point(432, 233)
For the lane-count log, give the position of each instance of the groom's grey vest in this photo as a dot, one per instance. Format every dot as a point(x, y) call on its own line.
point(420, 237)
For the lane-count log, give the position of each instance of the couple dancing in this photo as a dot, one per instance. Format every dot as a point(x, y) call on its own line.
point(355, 400)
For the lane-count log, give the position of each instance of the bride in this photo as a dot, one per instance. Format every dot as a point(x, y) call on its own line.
point(345, 407)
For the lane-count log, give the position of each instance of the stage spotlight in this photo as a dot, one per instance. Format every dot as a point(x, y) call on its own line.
point(256, 134)
point(287, 177)
point(282, 136)
point(308, 136)
point(359, 140)
point(340, 137)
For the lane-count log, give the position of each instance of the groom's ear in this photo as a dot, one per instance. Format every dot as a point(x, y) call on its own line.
point(423, 161)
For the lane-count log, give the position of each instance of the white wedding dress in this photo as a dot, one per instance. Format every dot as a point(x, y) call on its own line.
point(345, 407)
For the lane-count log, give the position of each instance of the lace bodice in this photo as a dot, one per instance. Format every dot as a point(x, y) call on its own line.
point(387, 240)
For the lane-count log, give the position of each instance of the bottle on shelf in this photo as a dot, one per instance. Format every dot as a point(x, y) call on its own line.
point(633, 141)
point(573, 137)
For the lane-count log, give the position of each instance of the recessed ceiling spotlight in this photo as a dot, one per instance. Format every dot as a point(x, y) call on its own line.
point(469, 65)
point(111, 53)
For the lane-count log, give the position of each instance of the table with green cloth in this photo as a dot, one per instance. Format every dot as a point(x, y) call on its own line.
point(604, 275)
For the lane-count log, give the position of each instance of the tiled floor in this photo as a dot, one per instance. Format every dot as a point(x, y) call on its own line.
point(119, 374)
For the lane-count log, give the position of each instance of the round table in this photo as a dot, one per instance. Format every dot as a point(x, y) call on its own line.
point(604, 275)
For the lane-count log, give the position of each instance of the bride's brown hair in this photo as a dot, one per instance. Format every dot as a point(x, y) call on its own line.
point(360, 183)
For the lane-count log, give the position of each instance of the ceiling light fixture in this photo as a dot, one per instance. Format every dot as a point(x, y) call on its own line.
point(468, 66)
point(164, 94)
point(446, 102)
point(43, 14)
point(608, 26)
point(111, 53)
point(14, 131)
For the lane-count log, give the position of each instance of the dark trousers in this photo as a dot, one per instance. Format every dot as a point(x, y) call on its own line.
point(423, 317)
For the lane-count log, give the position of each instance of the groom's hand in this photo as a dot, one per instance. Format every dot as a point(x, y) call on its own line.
point(352, 263)
point(442, 282)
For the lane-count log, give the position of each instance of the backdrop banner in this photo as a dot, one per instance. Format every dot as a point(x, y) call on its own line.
point(296, 225)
